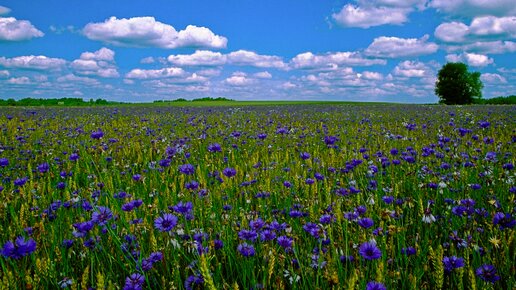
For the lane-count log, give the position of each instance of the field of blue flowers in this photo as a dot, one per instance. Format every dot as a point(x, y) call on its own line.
point(265, 197)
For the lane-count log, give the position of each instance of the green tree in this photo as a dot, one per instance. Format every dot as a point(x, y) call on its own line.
point(455, 85)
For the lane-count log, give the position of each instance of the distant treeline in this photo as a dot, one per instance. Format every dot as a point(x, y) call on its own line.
point(509, 100)
point(207, 99)
point(55, 102)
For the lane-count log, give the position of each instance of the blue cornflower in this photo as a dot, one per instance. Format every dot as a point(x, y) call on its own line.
point(285, 242)
point(312, 229)
point(373, 285)
point(246, 250)
point(102, 215)
point(487, 273)
point(366, 222)
point(504, 221)
point(249, 235)
point(229, 172)
point(187, 169)
point(183, 207)
point(369, 251)
point(20, 248)
point(134, 282)
point(451, 263)
point(166, 222)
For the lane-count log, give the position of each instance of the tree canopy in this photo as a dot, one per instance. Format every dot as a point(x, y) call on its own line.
point(455, 85)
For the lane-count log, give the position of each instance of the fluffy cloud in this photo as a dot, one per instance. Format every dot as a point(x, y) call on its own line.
point(411, 69)
point(12, 29)
point(239, 79)
point(147, 32)
point(155, 73)
point(486, 27)
point(288, 85)
point(39, 62)
point(492, 78)
point(4, 74)
point(475, 7)
point(332, 60)
point(473, 59)
point(19, 81)
point(485, 47)
point(71, 78)
point(262, 75)
point(148, 60)
point(198, 58)
point(451, 32)
point(368, 75)
point(4, 10)
point(103, 54)
point(99, 63)
point(365, 17)
point(240, 57)
point(251, 58)
point(394, 47)
point(369, 13)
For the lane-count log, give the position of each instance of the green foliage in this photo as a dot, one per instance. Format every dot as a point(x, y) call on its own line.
point(211, 99)
point(54, 102)
point(206, 99)
point(455, 85)
point(509, 100)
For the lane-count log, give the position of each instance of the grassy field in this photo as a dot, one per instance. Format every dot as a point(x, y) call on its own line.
point(275, 196)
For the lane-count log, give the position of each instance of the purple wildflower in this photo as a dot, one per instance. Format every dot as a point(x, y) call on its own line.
point(246, 250)
point(4, 162)
point(187, 169)
point(102, 215)
point(20, 248)
point(215, 147)
point(487, 273)
point(229, 172)
point(451, 263)
point(369, 251)
point(366, 222)
point(166, 222)
point(373, 285)
point(134, 282)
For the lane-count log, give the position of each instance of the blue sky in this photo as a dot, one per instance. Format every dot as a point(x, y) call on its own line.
point(379, 50)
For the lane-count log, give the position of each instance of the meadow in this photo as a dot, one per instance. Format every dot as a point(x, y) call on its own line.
point(306, 196)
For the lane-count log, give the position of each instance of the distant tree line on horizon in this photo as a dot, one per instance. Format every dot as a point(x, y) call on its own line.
point(33, 102)
point(206, 99)
point(30, 102)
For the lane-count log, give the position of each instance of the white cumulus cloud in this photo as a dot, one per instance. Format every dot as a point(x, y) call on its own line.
point(472, 8)
point(12, 29)
point(99, 63)
point(239, 79)
point(251, 58)
point(411, 69)
point(198, 58)
point(395, 47)
point(4, 10)
point(492, 78)
point(332, 60)
point(365, 17)
point(489, 28)
point(155, 73)
point(147, 32)
point(19, 81)
point(71, 78)
point(39, 62)
point(262, 75)
point(472, 59)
